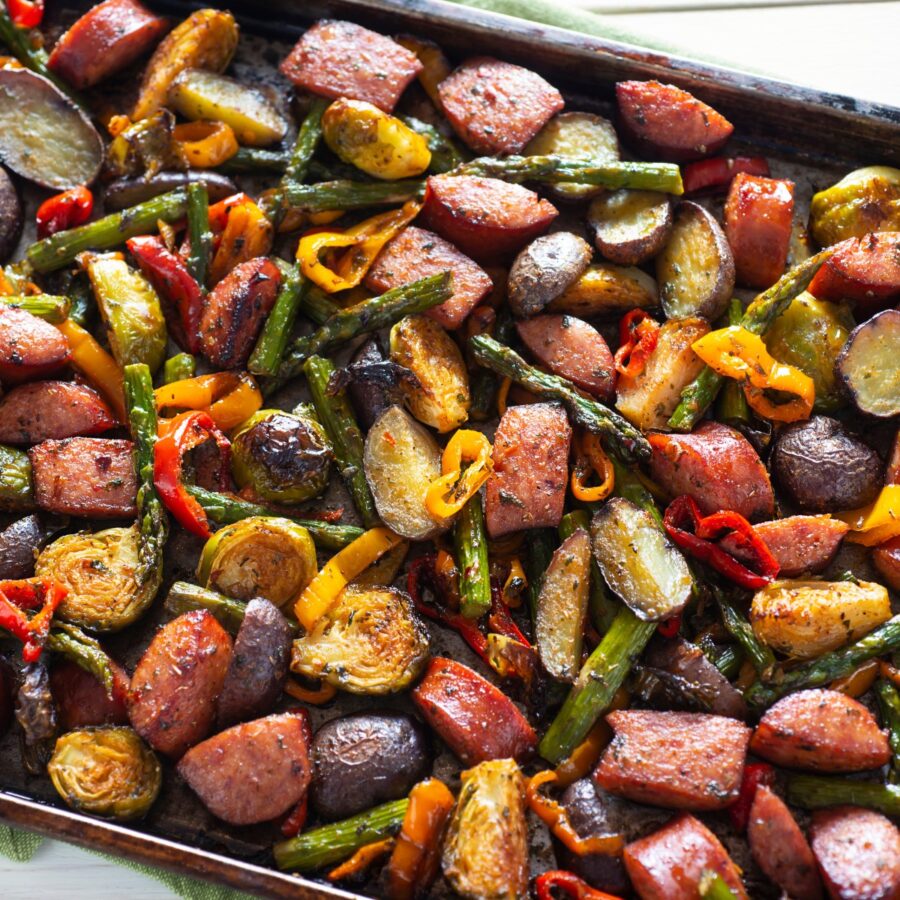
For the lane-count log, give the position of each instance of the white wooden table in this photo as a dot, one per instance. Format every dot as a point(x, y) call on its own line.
point(849, 48)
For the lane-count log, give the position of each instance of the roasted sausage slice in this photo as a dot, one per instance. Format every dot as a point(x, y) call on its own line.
point(717, 466)
point(83, 476)
point(81, 700)
point(259, 664)
point(106, 39)
point(52, 410)
point(779, 847)
point(678, 760)
point(341, 59)
point(858, 851)
point(821, 731)
point(30, 348)
point(172, 701)
point(476, 720)
point(253, 772)
point(527, 488)
point(669, 864)
point(496, 107)
point(235, 311)
point(416, 253)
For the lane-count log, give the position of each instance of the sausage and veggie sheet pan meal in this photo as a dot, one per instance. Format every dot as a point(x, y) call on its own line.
point(420, 486)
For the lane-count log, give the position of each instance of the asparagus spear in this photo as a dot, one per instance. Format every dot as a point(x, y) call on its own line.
point(369, 315)
point(62, 248)
point(815, 792)
point(223, 509)
point(828, 667)
point(152, 518)
point(70, 641)
point(256, 159)
point(728, 661)
point(186, 597)
point(332, 843)
point(760, 314)
point(759, 654)
point(273, 341)
point(445, 155)
point(470, 543)
point(337, 418)
point(889, 704)
point(315, 304)
point(308, 138)
point(198, 231)
point(45, 306)
point(714, 887)
point(645, 176)
point(621, 437)
point(601, 606)
point(600, 677)
point(16, 490)
point(179, 367)
point(540, 545)
point(630, 487)
point(344, 194)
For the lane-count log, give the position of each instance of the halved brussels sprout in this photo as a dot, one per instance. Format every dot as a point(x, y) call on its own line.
point(486, 850)
point(866, 200)
point(100, 572)
point(370, 642)
point(262, 556)
point(285, 457)
point(108, 772)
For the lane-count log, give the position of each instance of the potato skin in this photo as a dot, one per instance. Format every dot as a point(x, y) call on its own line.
point(821, 731)
point(631, 227)
point(823, 468)
point(544, 269)
point(12, 217)
point(174, 689)
point(607, 291)
point(365, 759)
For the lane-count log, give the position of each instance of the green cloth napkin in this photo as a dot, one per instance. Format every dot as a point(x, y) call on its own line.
point(21, 846)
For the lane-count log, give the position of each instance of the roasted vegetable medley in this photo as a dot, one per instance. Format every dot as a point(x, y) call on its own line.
point(566, 445)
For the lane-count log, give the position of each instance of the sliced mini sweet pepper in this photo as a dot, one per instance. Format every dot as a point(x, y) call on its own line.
point(558, 883)
point(43, 594)
point(246, 233)
point(205, 145)
point(591, 460)
point(737, 353)
point(230, 398)
point(26, 13)
point(466, 465)
point(755, 774)
point(638, 337)
point(876, 523)
point(98, 366)
point(63, 211)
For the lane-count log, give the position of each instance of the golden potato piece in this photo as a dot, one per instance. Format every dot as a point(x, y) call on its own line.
point(607, 291)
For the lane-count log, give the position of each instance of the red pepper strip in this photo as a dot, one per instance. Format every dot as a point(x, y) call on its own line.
point(66, 210)
point(177, 437)
point(670, 627)
point(755, 774)
point(25, 13)
point(715, 174)
point(293, 824)
point(32, 632)
point(499, 619)
point(638, 336)
point(181, 295)
point(26, 593)
point(569, 885)
point(683, 511)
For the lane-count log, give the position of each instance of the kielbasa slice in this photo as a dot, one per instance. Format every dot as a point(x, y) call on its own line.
point(81, 700)
point(30, 348)
point(52, 410)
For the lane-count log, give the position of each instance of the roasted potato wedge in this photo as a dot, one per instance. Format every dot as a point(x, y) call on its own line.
point(695, 271)
point(869, 365)
point(807, 618)
point(401, 460)
point(442, 398)
point(631, 227)
point(866, 200)
point(607, 291)
point(44, 136)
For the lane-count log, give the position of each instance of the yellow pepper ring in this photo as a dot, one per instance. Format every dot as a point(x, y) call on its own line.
point(205, 145)
point(591, 458)
point(229, 397)
point(98, 366)
point(450, 492)
point(876, 523)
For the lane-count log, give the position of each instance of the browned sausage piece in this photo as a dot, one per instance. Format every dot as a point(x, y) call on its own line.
point(259, 665)
point(858, 851)
point(52, 410)
point(235, 311)
point(340, 59)
point(678, 760)
point(107, 38)
point(253, 772)
point(527, 488)
point(29, 347)
point(668, 864)
point(799, 543)
point(571, 348)
point(82, 476)
point(485, 217)
point(172, 701)
point(779, 847)
point(416, 253)
point(821, 731)
point(496, 107)
point(717, 466)
point(81, 700)
point(886, 557)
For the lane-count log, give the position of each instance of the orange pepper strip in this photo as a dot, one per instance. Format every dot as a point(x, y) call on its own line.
point(857, 683)
point(502, 396)
point(556, 819)
point(318, 697)
point(413, 864)
point(89, 358)
point(890, 673)
point(205, 145)
point(450, 491)
point(591, 458)
point(230, 398)
point(247, 235)
point(737, 353)
point(361, 860)
point(515, 584)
